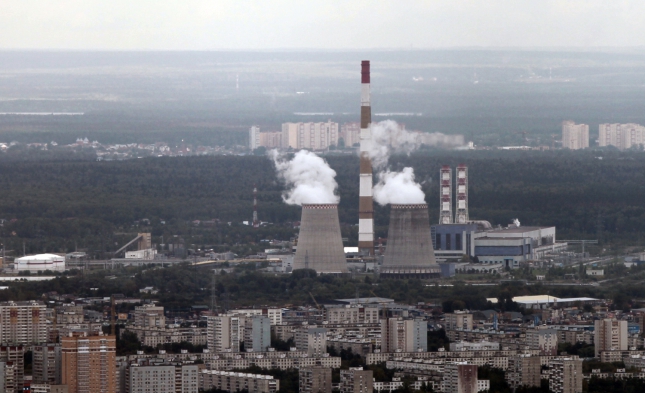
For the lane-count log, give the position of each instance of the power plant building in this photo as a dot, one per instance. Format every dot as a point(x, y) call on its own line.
point(320, 246)
point(409, 251)
point(42, 262)
point(366, 202)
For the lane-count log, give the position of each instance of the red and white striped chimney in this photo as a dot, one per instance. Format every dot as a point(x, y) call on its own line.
point(366, 204)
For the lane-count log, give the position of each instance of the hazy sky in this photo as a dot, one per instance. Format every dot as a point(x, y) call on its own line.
point(342, 24)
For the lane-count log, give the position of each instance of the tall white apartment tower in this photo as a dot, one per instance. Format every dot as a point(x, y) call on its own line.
point(610, 335)
point(254, 137)
point(461, 215)
point(445, 197)
point(575, 136)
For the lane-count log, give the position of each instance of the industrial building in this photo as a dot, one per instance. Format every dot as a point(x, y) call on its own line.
point(320, 246)
point(40, 262)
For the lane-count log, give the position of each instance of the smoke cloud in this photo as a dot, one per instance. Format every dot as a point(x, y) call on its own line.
point(398, 188)
point(308, 177)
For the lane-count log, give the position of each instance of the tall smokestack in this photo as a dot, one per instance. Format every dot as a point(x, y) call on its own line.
point(320, 246)
point(409, 251)
point(445, 195)
point(256, 223)
point(366, 204)
point(461, 214)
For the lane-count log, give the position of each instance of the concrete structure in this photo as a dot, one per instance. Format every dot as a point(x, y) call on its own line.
point(315, 380)
point(23, 322)
point(311, 340)
point(42, 262)
point(515, 244)
point(575, 136)
point(404, 335)
point(12, 361)
point(622, 136)
point(458, 320)
point(257, 333)
point(445, 195)
point(234, 382)
point(274, 314)
point(453, 241)
point(46, 366)
point(523, 370)
point(351, 133)
point(320, 246)
point(545, 340)
point(610, 335)
point(153, 336)
point(366, 203)
point(313, 136)
point(254, 137)
point(351, 314)
point(89, 364)
point(565, 375)
point(461, 213)
point(459, 377)
point(223, 333)
point(149, 315)
point(474, 346)
point(356, 380)
point(409, 251)
point(146, 376)
point(595, 272)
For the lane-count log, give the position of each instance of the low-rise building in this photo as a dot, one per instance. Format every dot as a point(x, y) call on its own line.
point(234, 382)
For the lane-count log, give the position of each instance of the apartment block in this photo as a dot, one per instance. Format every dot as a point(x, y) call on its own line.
point(610, 335)
point(523, 370)
point(47, 388)
point(13, 359)
point(89, 363)
point(149, 315)
point(257, 333)
point(314, 136)
point(404, 335)
point(223, 333)
point(312, 340)
point(147, 376)
point(459, 377)
point(461, 320)
point(23, 322)
point(351, 133)
point(254, 137)
point(622, 136)
point(348, 314)
point(546, 340)
point(274, 314)
point(46, 366)
point(315, 380)
point(271, 139)
point(356, 380)
point(565, 375)
point(153, 336)
point(575, 136)
point(233, 382)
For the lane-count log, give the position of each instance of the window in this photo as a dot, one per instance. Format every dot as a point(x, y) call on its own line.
point(437, 245)
point(448, 242)
point(458, 241)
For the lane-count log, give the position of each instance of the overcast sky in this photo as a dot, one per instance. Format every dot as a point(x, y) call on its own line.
point(323, 24)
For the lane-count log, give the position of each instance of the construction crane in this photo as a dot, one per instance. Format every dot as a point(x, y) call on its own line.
point(383, 305)
point(314, 299)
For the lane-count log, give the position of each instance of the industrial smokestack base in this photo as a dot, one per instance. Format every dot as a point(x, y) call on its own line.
point(320, 246)
point(409, 252)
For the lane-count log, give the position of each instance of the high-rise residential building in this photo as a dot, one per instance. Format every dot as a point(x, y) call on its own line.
point(347, 314)
point(271, 139)
point(404, 335)
point(610, 335)
point(233, 382)
point(274, 314)
point(622, 136)
point(565, 375)
point(459, 320)
point(312, 340)
point(575, 136)
point(89, 363)
point(351, 133)
point(254, 137)
point(46, 364)
point(149, 315)
point(12, 360)
point(223, 333)
point(459, 377)
point(523, 370)
point(546, 340)
point(23, 322)
point(356, 380)
point(163, 377)
point(314, 136)
point(257, 333)
point(315, 380)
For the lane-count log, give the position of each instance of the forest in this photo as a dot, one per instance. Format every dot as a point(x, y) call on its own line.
point(59, 205)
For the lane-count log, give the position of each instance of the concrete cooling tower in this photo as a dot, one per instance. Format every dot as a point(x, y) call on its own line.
point(320, 246)
point(409, 251)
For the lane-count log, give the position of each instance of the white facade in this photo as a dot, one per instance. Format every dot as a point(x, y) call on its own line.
point(23, 322)
point(314, 136)
point(404, 335)
point(274, 314)
point(254, 137)
point(34, 263)
point(575, 136)
point(545, 340)
point(223, 334)
point(622, 136)
point(147, 254)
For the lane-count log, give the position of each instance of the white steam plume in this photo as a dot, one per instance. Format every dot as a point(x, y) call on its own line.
point(398, 188)
point(308, 177)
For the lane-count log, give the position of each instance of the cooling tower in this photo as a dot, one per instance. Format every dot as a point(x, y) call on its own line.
point(409, 251)
point(320, 246)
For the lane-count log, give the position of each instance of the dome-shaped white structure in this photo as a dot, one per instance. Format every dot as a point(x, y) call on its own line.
point(34, 263)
